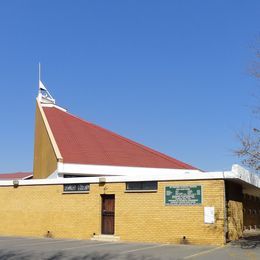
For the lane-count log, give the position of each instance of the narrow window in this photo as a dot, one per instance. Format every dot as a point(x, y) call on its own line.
point(141, 186)
point(76, 188)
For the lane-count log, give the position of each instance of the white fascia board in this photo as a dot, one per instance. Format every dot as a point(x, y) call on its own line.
point(177, 176)
point(143, 173)
point(107, 170)
point(111, 179)
point(237, 173)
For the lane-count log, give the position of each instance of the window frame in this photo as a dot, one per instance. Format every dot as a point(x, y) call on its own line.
point(77, 190)
point(142, 186)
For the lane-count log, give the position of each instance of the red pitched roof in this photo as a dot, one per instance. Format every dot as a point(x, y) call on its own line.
point(82, 142)
point(16, 176)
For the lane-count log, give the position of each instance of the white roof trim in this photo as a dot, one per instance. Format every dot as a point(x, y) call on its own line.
point(70, 168)
point(234, 174)
point(162, 177)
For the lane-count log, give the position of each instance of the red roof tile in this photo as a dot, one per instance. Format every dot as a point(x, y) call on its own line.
point(15, 176)
point(82, 142)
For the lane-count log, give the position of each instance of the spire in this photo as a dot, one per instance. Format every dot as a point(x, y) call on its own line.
point(43, 94)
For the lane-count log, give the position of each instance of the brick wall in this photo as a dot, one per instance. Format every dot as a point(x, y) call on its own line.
point(234, 204)
point(45, 161)
point(34, 210)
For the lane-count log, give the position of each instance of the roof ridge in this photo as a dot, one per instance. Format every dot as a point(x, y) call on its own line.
point(146, 148)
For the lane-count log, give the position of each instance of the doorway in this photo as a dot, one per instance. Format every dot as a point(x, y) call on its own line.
point(108, 214)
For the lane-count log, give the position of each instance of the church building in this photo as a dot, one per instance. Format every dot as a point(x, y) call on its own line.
point(91, 183)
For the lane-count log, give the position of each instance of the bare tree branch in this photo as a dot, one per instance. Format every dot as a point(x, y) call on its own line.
point(249, 150)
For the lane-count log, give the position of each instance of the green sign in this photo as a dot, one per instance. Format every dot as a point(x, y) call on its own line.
point(183, 195)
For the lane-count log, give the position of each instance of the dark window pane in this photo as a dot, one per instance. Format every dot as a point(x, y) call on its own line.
point(145, 185)
point(70, 187)
point(134, 186)
point(150, 185)
point(76, 187)
point(83, 187)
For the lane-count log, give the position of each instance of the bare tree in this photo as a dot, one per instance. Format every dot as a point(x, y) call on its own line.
point(249, 150)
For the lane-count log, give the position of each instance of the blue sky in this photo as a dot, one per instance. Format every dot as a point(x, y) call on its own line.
point(169, 74)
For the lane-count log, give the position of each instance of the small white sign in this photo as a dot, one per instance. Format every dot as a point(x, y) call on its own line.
point(209, 215)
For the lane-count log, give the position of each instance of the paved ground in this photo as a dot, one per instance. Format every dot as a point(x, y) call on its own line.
point(56, 249)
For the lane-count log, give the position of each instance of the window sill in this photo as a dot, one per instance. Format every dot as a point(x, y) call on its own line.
point(140, 191)
point(75, 192)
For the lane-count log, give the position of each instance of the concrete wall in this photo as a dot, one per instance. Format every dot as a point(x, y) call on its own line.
point(34, 210)
point(45, 160)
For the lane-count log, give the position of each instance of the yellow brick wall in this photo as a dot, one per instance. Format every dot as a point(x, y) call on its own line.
point(45, 161)
point(33, 210)
point(235, 219)
point(144, 217)
point(234, 197)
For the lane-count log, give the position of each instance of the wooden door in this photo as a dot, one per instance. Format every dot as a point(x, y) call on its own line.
point(108, 214)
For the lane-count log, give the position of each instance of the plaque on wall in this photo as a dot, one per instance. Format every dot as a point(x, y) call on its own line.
point(183, 195)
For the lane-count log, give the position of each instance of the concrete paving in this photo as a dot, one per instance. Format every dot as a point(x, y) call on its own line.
point(15, 248)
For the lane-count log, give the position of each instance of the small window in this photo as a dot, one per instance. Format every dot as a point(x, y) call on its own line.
point(74, 188)
point(141, 186)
